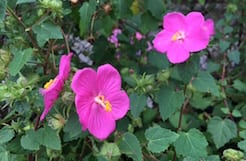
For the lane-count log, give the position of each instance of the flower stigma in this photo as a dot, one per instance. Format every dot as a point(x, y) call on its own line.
point(48, 84)
point(104, 103)
point(179, 35)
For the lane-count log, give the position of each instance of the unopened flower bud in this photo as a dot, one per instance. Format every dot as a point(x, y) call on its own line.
point(56, 122)
point(107, 8)
point(163, 75)
point(74, 1)
point(232, 154)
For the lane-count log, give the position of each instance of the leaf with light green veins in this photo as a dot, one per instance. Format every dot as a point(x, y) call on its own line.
point(222, 130)
point(6, 134)
point(204, 82)
point(19, 60)
point(169, 101)
point(46, 31)
point(191, 143)
point(130, 146)
point(159, 138)
point(3, 6)
point(138, 102)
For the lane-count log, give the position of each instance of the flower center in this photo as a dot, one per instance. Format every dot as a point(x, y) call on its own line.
point(48, 84)
point(179, 35)
point(104, 103)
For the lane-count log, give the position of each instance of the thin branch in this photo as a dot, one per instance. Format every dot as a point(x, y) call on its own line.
point(223, 78)
point(27, 29)
point(182, 112)
point(66, 40)
point(92, 25)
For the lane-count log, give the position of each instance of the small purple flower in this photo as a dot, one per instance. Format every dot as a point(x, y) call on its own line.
point(113, 38)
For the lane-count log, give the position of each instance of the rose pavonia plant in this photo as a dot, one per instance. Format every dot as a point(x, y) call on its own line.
point(142, 80)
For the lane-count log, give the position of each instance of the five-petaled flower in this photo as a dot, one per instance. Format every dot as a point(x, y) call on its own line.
point(53, 88)
point(183, 34)
point(99, 99)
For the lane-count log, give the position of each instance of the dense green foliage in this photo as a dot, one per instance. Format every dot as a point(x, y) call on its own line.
point(194, 111)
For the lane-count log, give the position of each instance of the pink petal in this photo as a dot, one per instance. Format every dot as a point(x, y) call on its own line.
point(209, 26)
point(162, 41)
point(174, 21)
point(194, 20)
point(120, 104)
point(100, 123)
point(64, 67)
point(83, 105)
point(84, 81)
point(139, 36)
point(50, 95)
point(196, 40)
point(177, 53)
point(108, 79)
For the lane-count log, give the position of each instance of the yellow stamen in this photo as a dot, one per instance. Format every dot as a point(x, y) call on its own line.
point(48, 84)
point(104, 103)
point(180, 35)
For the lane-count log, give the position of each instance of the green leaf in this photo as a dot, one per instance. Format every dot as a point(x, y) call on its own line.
point(72, 129)
point(208, 158)
point(122, 8)
point(49, 138)
point(19, 60)
point(224, 45)
point(149, 23)
point(158, 60)
point(169, 101)
point(239, 85)
point(191, 143)
point(200, 102)
point(236, 113)
point(4, 154)
point(186, 71)
point(3, 6)
point(242, 145)
point(46, 31)
point(25, 1)
point(159, 138)
point(242, 134)
point(110, 151)
point(30, 140)
point(86, 12)
point(234, 56)
point(137, 104)
point(156, 8)
point(6, 135)
point(130, 146)
point(204, 82)
point(222, 130)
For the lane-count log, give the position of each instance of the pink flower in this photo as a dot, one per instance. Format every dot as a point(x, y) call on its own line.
point(139, 36)
point(99, 99)
point(53, 88)
point(183, 34)
point(113, 38)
